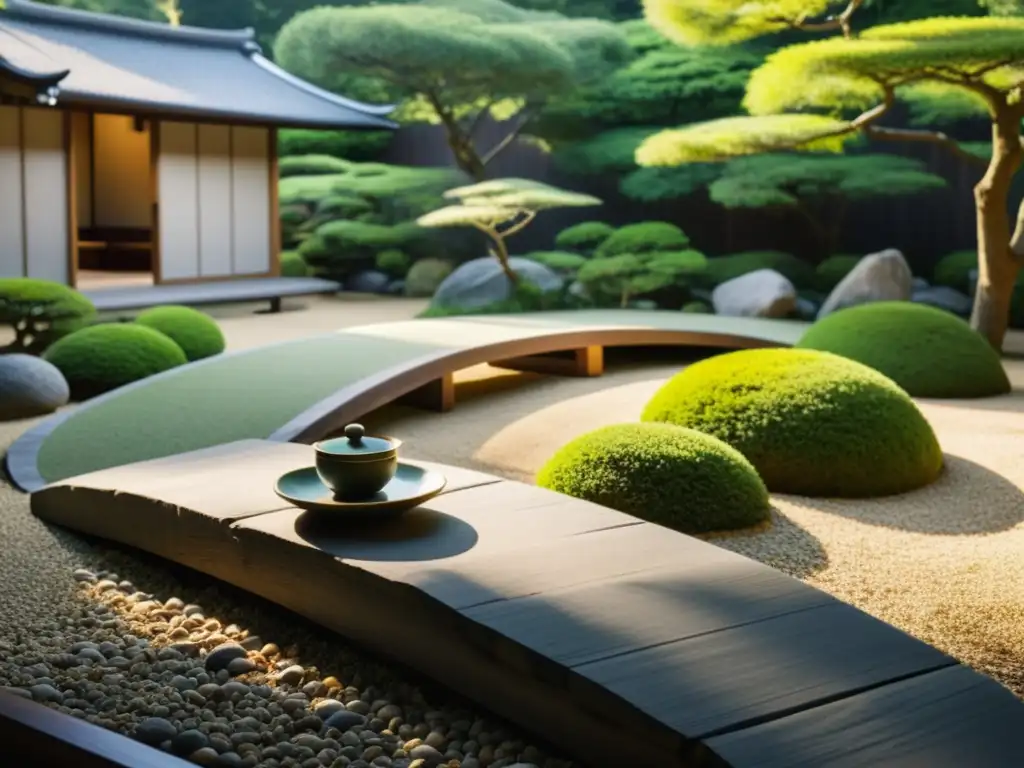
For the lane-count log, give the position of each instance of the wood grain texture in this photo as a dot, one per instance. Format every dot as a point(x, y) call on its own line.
point(764, 669)
point(950, 718)
point(35, 736)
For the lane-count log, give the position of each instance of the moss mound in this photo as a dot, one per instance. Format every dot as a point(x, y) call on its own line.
point(195, 332)
point(425, 275)
point(394, 263)
point(675, 477)
point(97, 359)
point(697, 307)
point(293, 265)
point(812, 423)
point(724, 268)
point(42, 311)
point(927, 351)
point(829, 273)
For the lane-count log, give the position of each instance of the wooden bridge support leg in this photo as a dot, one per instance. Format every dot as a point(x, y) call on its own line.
point(585, 361)
point(437, 395)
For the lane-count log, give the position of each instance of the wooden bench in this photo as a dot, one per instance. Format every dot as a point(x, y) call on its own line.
point(272, 289)
point(115, 249)
point(621, 642)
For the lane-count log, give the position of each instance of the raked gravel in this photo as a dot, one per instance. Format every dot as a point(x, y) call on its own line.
point(226, 679)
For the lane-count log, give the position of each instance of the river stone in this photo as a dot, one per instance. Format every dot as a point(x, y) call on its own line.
point(189, 742)
point(222, 655)
point(919, 284)
point(480, 282)
point(30, 386)
point(761, 293)
point(368, 281)
point(155, 730)
point(883, 276)
point(343, 720)
point(949, 299)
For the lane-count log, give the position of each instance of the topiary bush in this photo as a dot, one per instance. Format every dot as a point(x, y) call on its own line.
point(676, 477)
point(394, 263)
point(697, 307)
point(195, 332)
point(829, 273)
point(311, 165)
point(724, 268)
point(584, 237)
point(643, 237)
point(100, 358)
point(40, 312)
point(927, 351)
point(342, 207)
point(812, 423)
point(563, 262)
point(425, 275)
point(293, 265)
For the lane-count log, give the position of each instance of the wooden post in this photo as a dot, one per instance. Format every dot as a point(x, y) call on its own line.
point(583, 362)
point(437, 395)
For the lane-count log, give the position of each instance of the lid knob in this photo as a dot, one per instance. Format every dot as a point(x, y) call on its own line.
point(354, 433)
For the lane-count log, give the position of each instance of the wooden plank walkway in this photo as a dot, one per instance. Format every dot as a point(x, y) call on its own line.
point(619, 641)
point(302, 390)
point(271, 289)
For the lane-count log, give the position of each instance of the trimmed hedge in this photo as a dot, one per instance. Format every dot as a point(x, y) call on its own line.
point(643, 237)
point(829, 273)
point(676, 477)
point(293, 265)
point(311, 165)
point(393, 262)
point(812, 423)
point(100, 358)
point(195, 332)
point(585, 236)
point(927, 351)
point(564, 262)
point(724, 268)
point(353, 145)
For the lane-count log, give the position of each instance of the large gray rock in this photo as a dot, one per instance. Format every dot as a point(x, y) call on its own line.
point(481, 282)
point(761, 293)
point(883, 276)
point(945, 298)
point(30, 386)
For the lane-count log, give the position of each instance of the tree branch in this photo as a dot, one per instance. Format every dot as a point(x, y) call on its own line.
point(512, 135)
point(476, 122)
point(881, 133)
point(829, 24)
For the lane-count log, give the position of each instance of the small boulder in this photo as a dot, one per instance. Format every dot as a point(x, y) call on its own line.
point(481, 282)
point(30, 386)
point(761, 293)
point(368, 281)
point(396, 288)
point(942, 297)
point(919, 284)
point(883, 276)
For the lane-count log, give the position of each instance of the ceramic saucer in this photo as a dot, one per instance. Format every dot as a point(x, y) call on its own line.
point(410, 487)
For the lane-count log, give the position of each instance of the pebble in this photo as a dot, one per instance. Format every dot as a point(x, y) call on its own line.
point(155, 730)
point(344, 719)
point(189, 742)
point(291, 675)
point(328, 707)
point(427, 754)
point(221, 656)
point(240, 666)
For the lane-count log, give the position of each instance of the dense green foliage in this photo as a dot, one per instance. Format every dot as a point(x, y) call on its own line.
point(811, 423)
point(927, 351)
point(954, 270)
point(40, 312)
point(675, 477)
point(584, 237)
point(195, 332)
point(311, 165)
point(454, 61)
point(618, 279)
point(350, 145)
point(829, 273)
point(562, 262)
point(103, 357)
point(293, 265)
point(425, 275)
point(723, 268)
point(393, 262)
point(643, 237)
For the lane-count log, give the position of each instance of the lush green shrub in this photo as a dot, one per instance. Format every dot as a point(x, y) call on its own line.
point(563, 262)
point(293, 265)
point(927, 351)
point(311, 165)
point(350, 145)
point(394, 263)
point(341, 247)
point(343, 206)
point(40, 312)
point(618, 279)
point(99, 358)
point(425, 275)
point(812, 423)
point(676, 477)
point(643, 237)
point(724, 268)
point(954, 270)
point(195, 332)
point(698, 308)
point(829, 273)
point(584, 237)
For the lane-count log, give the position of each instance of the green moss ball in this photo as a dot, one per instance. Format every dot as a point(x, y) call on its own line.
point(812, 423)
point(195, 332)
point(661, 473)
point(100, 358)
point(927, 351)
point(293, 265)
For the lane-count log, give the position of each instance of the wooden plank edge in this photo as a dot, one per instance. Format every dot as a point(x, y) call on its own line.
point(583, 362)
point(35, 736)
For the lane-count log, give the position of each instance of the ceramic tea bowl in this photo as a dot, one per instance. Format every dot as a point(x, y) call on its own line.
point(356, 466)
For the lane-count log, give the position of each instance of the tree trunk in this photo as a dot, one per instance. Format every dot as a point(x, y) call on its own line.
point(467, 158)
point(500, 252)
point(997, 264)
